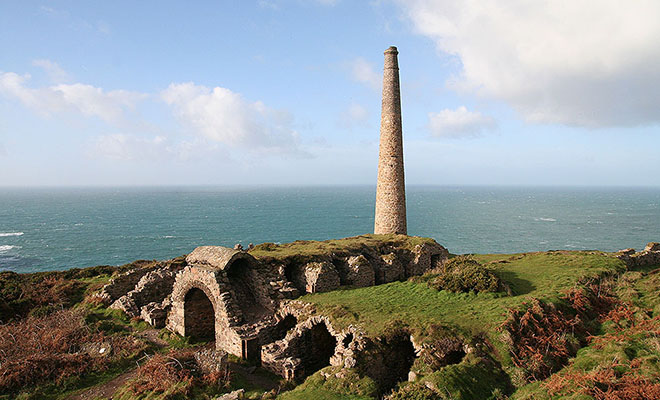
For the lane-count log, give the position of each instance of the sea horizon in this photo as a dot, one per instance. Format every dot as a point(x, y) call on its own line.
point(53, 228)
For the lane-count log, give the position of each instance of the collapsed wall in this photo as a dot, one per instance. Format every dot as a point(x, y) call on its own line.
point(648, 257)
point(243, 301)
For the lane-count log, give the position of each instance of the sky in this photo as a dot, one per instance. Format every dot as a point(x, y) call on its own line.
point(287, 92)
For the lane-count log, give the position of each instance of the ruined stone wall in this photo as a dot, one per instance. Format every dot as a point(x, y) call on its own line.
point(308, 347)
point(648, 257)
point(239, 301)
point(148, 294)
point(123, 283)
point(391, 191)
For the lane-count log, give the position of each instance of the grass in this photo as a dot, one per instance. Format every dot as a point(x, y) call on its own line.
point(326, 385)
point(540, 275)
point(623, 361)
point(308, 249)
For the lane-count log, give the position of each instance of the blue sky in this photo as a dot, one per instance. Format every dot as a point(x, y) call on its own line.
point(287, 92)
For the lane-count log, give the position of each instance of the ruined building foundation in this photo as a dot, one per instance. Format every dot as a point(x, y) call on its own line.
point(248, 305)
point(391, 188)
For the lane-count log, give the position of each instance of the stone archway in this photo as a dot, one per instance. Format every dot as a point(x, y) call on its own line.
point(226, 279)
point(283, 327)
point(318, 346)
point(198, 316)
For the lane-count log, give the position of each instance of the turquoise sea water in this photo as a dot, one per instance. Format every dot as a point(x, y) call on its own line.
point(47, 229)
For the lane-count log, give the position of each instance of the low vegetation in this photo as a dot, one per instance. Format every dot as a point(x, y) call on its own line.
point(462, 274)
point(308, 249)
point(547, 325)
point(41, 293)
point(333, 383)
point(175, 374)
point(58, 349)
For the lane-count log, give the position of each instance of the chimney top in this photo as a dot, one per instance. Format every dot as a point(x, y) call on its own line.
point(392, 50)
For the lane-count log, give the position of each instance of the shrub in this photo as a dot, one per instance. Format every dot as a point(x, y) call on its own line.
point(541, 338)
point(175, 374)
point(463, 274)
point(440, 347)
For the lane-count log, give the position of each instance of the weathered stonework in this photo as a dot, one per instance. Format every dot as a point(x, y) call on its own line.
point(360, 272)
point(390, 270)
point(307, 348)
point(320, 277)
point(245, 304)
point(124, 283)
point(391, 187)
point(151, 289)
point(648, 257)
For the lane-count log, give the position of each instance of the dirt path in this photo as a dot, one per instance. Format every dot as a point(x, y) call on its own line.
point(108, 389)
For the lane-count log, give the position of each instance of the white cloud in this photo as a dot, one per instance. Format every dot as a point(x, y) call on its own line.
point(53, 70)
point(223, 116)
point(362, 71)
point(86, 99)
point(587, 63)
point(459, 123)
point(354, 115)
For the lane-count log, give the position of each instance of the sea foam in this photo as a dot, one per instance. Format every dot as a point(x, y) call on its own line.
point(5, 234)
point(6, 248)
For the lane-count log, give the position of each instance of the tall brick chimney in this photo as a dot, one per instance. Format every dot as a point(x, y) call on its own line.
point(391, 189)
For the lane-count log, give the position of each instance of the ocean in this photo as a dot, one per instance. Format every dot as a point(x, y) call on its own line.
point(53, 229)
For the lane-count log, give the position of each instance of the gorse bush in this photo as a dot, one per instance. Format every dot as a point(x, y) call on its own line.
point(463, 274)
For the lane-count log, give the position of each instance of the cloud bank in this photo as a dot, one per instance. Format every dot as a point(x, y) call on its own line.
point(583, 63)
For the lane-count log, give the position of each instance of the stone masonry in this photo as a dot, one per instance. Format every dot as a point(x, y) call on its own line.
point(247, 305)
point(391, 187)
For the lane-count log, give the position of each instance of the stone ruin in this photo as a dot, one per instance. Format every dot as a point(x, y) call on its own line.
point(650, 256)
point(247, 305)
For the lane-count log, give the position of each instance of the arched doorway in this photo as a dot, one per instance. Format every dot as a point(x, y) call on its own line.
point(283, 327)
point(317, 348)
point(199, 316)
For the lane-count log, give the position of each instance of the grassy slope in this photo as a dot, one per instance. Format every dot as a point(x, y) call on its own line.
point(629, 348)
point(533, 275)
point(540, 275)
